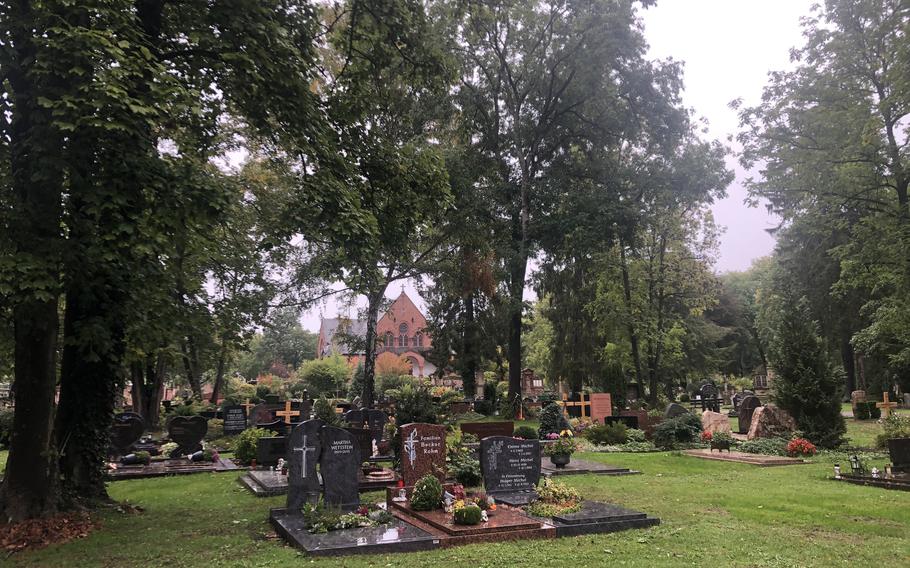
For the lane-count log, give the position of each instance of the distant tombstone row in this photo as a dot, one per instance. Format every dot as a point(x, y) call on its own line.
point(338, 455)
point(371, 419)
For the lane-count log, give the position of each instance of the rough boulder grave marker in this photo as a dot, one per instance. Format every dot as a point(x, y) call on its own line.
point(234, 419)
point(187, 433)
point(339, 464)
point(511, 468)
point(674, 409)
point(423, 451)
point(746, 410)
point(126, 431)
point(304, 448)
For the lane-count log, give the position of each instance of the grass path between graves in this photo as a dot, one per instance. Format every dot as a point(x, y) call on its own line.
point(713, 513)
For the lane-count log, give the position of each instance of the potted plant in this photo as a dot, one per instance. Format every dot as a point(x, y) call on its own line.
point(897, 433)
point(719, 441)
point(561, 449)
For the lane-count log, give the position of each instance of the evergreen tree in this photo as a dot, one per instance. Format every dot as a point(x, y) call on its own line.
point(806, 384)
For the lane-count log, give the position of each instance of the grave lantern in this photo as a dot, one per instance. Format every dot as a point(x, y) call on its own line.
point(888, 471)
point(837, 471)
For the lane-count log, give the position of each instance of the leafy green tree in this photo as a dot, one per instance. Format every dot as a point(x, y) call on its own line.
point(325, 376)
point(806, 385)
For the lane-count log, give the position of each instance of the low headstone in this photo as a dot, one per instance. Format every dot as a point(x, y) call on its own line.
point(339, 464)
point(769, 422)
point(269, 450)
point(485, 429)
point(304, 450)
point(715, 422)
point(746, 409)
point(126, 431)
point(601, 406)
point(234, 419)
point(277, 426)
point(423, 451)
point(187, 432)
point(509, 464)
point(675, 409)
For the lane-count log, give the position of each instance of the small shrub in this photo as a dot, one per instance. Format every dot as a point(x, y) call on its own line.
point(427, 494)
point(683, 429)
point(896, 426)
point(215, 429)
point(247, 442)
point(467, 515)
point(861, 411)
point(462, 466)
point(800, 447)
point(765, 446)
point(323, 410)
point(635, 435)
point(484, 407)
point(525, 432)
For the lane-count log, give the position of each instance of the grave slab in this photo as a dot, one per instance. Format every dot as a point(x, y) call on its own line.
point(898, 482)
point(581, 467)
point(266, 483)
point(161, 468)
point(741, 457)
point(397, 536)
point(595, 517)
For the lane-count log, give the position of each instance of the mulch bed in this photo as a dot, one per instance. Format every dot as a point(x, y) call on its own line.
point(38, 533)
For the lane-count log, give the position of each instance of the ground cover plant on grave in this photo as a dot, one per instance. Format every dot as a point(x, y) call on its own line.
point(797, 518)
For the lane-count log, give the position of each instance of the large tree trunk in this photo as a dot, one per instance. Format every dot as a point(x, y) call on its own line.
point(191, 366)
point(369, 361)
point(847, 358)
point(469, 339)
point(147, 382)
point(630, 322)
point(30, 487)
point(517, 273)
point(219, 374)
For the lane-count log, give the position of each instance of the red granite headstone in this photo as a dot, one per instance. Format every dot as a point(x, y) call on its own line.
point(601, 406)
point(423, 451)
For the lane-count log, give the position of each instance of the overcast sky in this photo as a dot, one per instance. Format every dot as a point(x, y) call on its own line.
point(728, 47)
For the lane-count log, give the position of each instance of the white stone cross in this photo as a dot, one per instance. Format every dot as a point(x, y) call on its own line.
point(303, 452)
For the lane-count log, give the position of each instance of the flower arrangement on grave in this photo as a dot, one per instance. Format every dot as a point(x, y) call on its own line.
point(720, 441)
point(579, 425)
point(563, 444)
point(136, 458)
point(706, 437)
point(318, 519)
point(427, 494)
point(555, 498)
point(166, 449)
point(800, 447)
point(467, 513)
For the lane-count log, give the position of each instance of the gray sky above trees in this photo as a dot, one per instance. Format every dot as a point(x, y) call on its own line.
point(728, 47)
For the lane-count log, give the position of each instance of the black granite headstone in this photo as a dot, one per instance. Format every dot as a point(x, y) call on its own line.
point(746, 409)
point(354, 418)
point(187, 432)
point(509, 464)
point(339, 464)
point(126, 431)
point(364, 439)
point(269, 450)
point(303, 454)
point(234, 419)
point(377, 419)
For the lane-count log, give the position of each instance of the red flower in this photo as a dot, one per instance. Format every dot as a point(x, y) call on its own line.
point(800, 447)
point(706, 436)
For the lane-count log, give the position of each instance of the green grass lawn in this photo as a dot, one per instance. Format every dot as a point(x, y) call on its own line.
point(713, 513)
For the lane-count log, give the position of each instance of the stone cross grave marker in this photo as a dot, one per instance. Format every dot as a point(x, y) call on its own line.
point(248, 406)
point(287, 413)
point(304, 449)
point(187, 432)
point(126, 431)
point(423, 451)
point(234, 419)
point(886, 405)
point(746, 410)
point(509, 464)
point(339, 464)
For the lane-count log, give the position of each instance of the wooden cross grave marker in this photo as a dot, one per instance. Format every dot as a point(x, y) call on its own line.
point(287, 413)
point(584, 404)
point(886, 406)
point(248, 406)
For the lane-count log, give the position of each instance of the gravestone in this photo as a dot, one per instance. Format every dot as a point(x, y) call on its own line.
point(272, 399)
point(770, 422)
point(354, 418)
point(857, 396)
point(377, 419)
point(601, 406)
point(126, 431)
point(715, 422)
point(423, 451)
point(710, 399)
point(509, 465)
point(674, 409)
point(304, 448)
point(187, 432)
point(269, 450)
point(364, 439)
point(746, 409)
point(234, 419)
point(263, 414)
point(279, 427)
point(339, 464)
point(485, 429)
